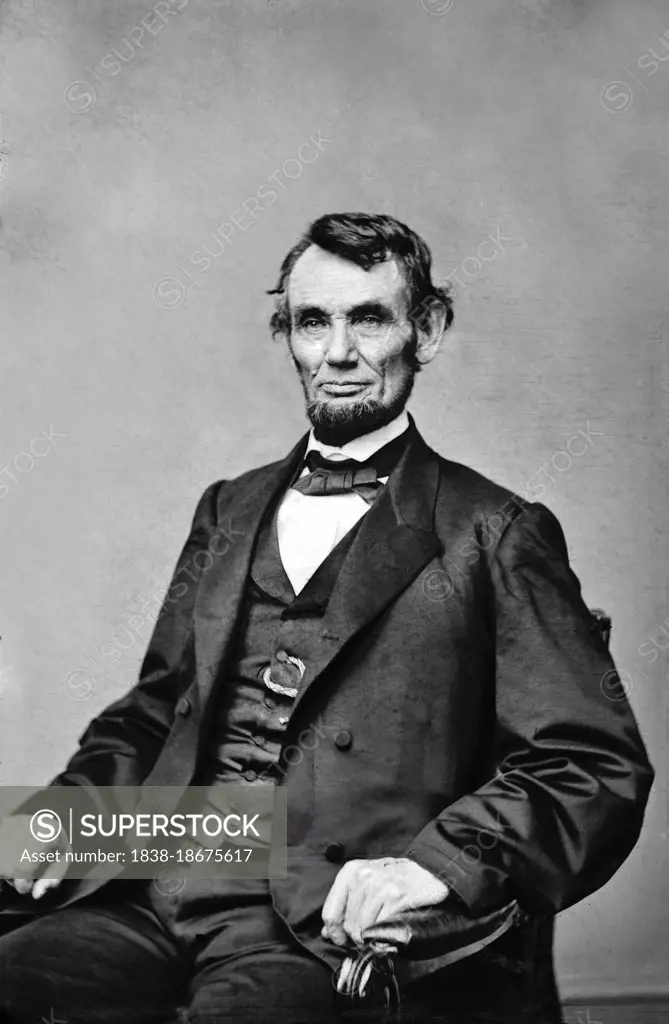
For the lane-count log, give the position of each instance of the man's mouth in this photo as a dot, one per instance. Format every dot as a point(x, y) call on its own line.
point(341, 388)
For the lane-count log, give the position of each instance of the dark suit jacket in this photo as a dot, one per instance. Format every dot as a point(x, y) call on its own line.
point(459, 654)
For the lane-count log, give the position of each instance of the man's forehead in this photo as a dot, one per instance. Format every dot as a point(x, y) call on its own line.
point(322, 279)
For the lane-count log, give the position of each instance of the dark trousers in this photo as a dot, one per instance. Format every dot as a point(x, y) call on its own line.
point(134, 954)
point(212, 952)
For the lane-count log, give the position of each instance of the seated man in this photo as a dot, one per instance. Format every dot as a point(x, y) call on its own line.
point(397, 640)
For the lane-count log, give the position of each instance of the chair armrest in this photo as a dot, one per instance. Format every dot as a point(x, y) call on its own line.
point(447, 929)
point(446, 932)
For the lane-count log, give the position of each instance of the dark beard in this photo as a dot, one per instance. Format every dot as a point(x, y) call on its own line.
point(336, 425)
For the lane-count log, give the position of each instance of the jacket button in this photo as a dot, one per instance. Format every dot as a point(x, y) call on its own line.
point(335, 853)
point(184, 706)
point(343, 739)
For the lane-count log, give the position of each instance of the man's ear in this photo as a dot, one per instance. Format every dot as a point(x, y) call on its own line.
point(430, 332)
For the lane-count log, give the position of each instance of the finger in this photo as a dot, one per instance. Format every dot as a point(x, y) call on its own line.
point(335, 933)
point(334, 907)
point(383, 895)
point(362, 917)
point(363, 898)
point(42, 885)
point(49, 880)
point(388, 910)
point(336, 898)
point(333, 930)
point(22, 885)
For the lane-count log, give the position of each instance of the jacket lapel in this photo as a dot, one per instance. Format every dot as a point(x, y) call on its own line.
point(222, 588)
point(395, 541)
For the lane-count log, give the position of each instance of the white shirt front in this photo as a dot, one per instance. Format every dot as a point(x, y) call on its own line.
point(309, 526)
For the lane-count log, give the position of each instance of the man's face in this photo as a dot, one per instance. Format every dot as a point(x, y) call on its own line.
point(349, 337)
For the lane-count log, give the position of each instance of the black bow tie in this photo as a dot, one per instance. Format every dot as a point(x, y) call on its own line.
point(330, 476)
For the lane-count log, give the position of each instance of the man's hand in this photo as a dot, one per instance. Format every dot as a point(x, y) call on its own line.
point(15, 840)
point(367, 891)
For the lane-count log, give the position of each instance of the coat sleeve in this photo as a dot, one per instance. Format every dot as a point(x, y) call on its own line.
point(566, 805)
point(121, 745)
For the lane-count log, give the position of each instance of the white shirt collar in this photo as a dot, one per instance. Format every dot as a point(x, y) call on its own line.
point(361, 448)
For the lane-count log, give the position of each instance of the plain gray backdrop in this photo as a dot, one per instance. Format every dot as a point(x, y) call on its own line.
point(526, 140)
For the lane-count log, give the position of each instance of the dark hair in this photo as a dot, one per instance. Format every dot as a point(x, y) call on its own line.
point(367, 239)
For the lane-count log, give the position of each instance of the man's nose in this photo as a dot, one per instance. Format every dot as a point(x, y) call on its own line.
point(342, 343)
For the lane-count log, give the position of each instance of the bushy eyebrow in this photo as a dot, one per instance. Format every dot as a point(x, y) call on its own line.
point(302, 313)
point(378, 309)
point(357, 312)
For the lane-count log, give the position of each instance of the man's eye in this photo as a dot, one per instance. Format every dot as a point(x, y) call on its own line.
point(312, 323)
point(370, 322)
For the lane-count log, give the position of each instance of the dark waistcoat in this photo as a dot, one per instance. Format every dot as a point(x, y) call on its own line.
point(258, 692)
